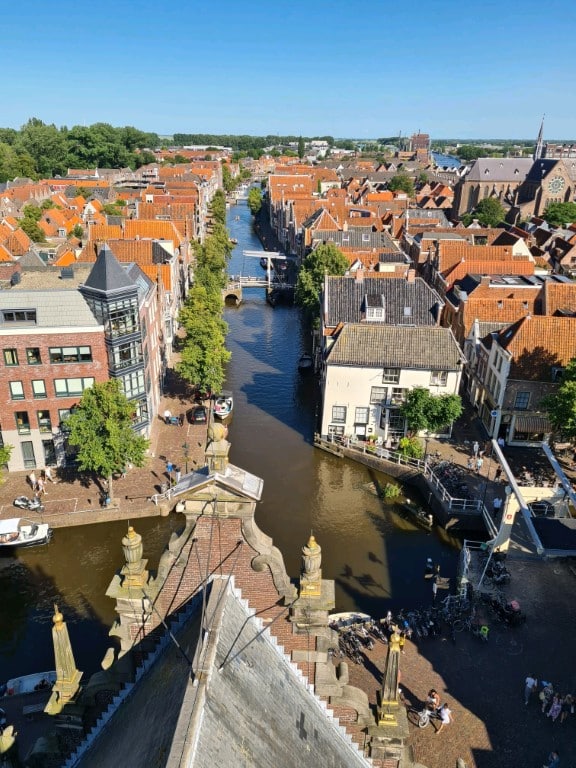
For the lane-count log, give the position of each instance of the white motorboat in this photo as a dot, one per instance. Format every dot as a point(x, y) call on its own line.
point(223, 405)
point(39, 681)
point(19, 532)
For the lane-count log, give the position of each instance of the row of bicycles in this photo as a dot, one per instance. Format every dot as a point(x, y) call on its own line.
point(453, 478)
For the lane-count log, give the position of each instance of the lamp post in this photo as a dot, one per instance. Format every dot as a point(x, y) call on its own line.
point(185, 448)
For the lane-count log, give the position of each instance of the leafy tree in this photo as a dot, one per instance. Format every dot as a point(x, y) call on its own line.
point(426, 412)
point(301, 148)
point(254, 200)
point(114, 209)
point(47, 204)
point(422, 178)
point(489, 212)
point(401, 183)
point(411, 447)
point(32, 212)
point(326, 259)
point(15, 163)
point(559, 214)
point(5, 453)
point(561, 406)
point(469, 152)
point(77, 231)
point(45, 144)
point(100, 427)
point(228, 181)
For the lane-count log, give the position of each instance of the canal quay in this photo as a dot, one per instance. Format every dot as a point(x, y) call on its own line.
point(375, 555)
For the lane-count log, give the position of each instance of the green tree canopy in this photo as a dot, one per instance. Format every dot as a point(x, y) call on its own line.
point(326, 259)
point(425, 412)
point(561, 406)
point(489, 212)
point(469, 152)
point(301, 148)
point(401, 183)
point(5, 453)
point(100, 427)
point(255, 200)
point(559, 214)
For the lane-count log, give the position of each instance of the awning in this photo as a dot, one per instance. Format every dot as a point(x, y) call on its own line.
point(534, 423)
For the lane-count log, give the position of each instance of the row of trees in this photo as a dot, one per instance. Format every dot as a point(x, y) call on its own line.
point(204, 355)
point(39, 150)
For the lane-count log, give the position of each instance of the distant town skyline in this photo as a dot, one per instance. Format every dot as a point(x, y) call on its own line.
point(307, 68)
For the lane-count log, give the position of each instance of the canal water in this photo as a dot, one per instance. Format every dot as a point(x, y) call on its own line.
point(375, 556)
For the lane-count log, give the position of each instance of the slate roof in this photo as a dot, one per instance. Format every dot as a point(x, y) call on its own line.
point(371, 345)
point(500, 169)
point(107, 275)
point(344, 300)
point(356, 237)
point(54, 308)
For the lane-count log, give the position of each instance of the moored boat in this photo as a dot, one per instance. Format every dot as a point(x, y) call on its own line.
point(305, 363)
point(39, 681)
point(223, 405)
point(418, 514)
point(19, 532)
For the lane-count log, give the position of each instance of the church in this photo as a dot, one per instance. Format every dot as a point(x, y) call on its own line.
point(525, 186)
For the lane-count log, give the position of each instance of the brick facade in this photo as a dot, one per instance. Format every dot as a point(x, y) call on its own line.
point(49, 405)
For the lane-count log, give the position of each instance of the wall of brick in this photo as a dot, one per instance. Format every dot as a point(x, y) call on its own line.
point(26, 373)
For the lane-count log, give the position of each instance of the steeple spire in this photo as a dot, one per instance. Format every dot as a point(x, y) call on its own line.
point(539, 141)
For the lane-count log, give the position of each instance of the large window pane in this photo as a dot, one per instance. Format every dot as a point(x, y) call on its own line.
point(39, 388)
point(44, 421)
point(33, 356)
point(16, 390)
point(22, 422)
point(10, 356)
point(338, 413)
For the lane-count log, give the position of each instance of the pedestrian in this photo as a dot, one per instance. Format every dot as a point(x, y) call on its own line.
point(475, 447)
point(496, 506)
point(553, 760)
point(32, 480)
point(402, 641)
point(445, 717)
point(48, 475)
point(545, 695)
point(167, 416)
point(178, 476)
point(555, 707)
point(479, 464)
point(567, 707)
point(498, 474)
point(530, 686)
point(434, 588)
point(501, 442)
point(433, 700)
point(169, 468)
point(123, 473)
point(470, 463)
point(40, 487)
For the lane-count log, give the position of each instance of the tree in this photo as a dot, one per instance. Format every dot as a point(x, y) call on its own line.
point(559, 214)
point(470, 152)
point(411, 447)
point(254, 200)
point(5, 453)
point(401, 183)
point(326, 259)
point(77, 231)
point(561, 406)
point(100, 427)
point(426, 412)
point(301, 148)
point(489, 212)
point(34, 232)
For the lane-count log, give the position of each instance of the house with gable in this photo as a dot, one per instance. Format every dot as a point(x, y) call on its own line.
point(517, 366)
point(381, 338)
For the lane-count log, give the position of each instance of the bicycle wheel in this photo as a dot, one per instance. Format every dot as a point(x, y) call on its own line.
point(423, 718)
point(459, 625)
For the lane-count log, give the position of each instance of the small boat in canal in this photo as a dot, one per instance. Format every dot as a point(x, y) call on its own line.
point(223, 405)
point(39, 681)
point(305, 363)
point(19, 532)
point(418, 514)
point(347, 619)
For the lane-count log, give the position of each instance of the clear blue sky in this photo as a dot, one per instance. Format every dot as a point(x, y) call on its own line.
point(314, 67)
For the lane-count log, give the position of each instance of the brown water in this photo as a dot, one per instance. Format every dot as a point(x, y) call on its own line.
point(375, 556)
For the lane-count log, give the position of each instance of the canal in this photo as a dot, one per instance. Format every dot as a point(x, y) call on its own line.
point(375, 556)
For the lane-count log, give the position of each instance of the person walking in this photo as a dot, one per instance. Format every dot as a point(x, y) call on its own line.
point(567, 707)
point(479, 464)
point(496, 506)
point(445, 717)
point(40, 487)
point(498, 474)
point(32, 480)
point(475, 447)
point(48, 476)
point(530, 686)
point(178, 475)
point(555, 707)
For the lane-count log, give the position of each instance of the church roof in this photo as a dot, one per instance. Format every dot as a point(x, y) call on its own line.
point(490, 169)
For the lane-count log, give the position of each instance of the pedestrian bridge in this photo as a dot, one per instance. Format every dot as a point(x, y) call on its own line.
point(271, 279)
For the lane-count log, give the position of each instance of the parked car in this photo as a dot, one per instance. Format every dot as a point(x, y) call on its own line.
point(197, 415)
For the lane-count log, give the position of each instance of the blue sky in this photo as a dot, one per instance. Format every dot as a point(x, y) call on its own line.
point(319, 67)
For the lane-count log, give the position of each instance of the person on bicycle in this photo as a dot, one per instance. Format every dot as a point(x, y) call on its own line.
point(433, 700)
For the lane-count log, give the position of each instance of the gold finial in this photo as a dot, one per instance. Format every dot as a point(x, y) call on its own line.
point(131, 532)
point(58, 619)
point(312, 541)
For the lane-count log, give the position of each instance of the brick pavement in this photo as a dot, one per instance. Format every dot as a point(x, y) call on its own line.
point(75, 500)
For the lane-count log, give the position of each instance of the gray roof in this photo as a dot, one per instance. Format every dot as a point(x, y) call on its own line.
point(356, 237)
point(107, 275)
point(487, 169)
point(344, 300)
point(371, 345)
point(54, 308)
point(233, 706)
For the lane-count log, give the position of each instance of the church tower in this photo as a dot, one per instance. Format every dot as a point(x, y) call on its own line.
point(539, 142)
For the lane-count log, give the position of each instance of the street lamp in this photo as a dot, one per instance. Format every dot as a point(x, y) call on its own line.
point(186, 448)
